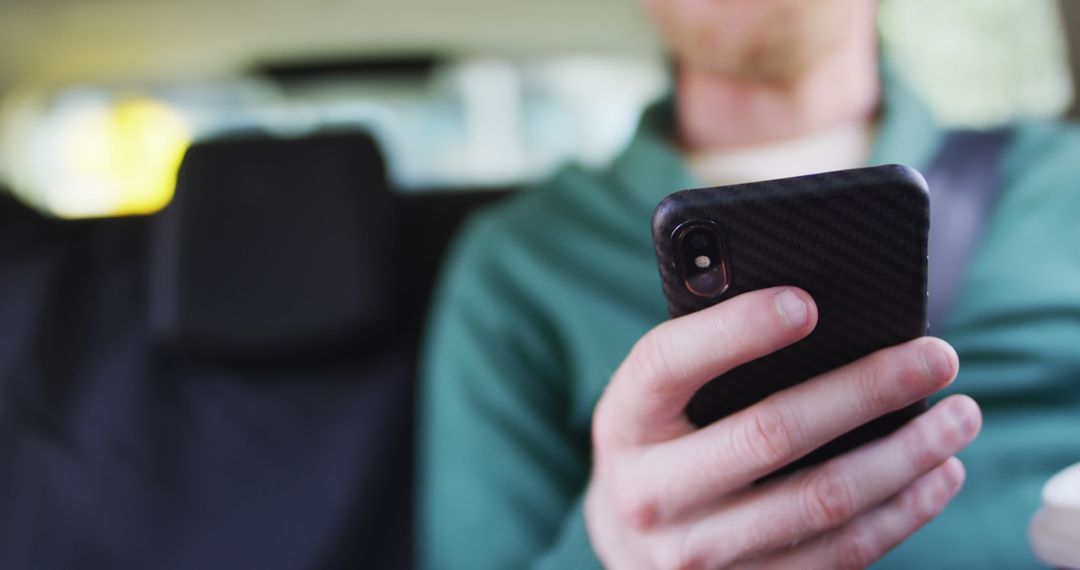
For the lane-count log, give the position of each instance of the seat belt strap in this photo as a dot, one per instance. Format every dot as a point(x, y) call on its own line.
point(964, 183)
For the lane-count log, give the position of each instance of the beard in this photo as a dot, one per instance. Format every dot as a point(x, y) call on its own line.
point(775, 42)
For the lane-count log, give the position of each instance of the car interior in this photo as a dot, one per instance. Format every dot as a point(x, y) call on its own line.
point(228, 380)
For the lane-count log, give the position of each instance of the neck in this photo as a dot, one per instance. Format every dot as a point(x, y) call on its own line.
point(718, 113)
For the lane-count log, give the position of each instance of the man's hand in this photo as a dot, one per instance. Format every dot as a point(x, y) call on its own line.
point(666, 495)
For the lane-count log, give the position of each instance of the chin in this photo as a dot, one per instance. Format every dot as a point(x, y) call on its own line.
point(775, 64)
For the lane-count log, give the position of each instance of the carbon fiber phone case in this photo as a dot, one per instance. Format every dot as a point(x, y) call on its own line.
point(856, 240)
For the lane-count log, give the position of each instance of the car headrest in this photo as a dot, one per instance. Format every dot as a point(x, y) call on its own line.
point(274, 246)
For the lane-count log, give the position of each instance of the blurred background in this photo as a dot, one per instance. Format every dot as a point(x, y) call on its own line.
point(221, 222)
point(99, 100)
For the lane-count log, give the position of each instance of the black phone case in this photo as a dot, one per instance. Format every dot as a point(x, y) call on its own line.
point(856, 240)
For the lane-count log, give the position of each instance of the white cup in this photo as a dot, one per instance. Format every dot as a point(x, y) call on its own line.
point(1055, 529)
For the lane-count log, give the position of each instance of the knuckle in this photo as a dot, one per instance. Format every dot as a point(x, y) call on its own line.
point(731, 329)
point(828, 499)
point(921, 505)
point(637, 509)
point(652, 360)
point(924, 449)
point(911, 375)
point(931, 506)
point(932, 441)
point(908, 501)
point(872, 387)
point(949, 436)
point(890, 379)
point(769, 435)
point(926, 498)
point(855, 549)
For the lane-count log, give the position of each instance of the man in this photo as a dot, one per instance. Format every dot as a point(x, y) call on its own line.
point(553, 430)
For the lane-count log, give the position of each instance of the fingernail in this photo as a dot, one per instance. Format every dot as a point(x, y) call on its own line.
point(935, 362)
point(792, 308)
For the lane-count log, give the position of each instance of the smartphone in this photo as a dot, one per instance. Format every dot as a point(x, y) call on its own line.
point(856, 240)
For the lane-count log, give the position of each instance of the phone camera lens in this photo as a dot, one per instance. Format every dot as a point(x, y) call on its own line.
point(701, 259)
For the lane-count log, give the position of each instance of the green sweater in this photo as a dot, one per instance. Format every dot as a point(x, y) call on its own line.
point(545, 295)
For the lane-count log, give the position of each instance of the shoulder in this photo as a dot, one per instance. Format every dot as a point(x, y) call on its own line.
point(541, 225)
point(571, 193)
point(1032, 235)
point(507, 253)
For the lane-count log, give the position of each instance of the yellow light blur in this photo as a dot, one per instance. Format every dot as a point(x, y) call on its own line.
point(119, 159)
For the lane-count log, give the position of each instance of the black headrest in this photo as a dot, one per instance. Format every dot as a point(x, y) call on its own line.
point(21, 227)
point(8, 203)
point(274, 246)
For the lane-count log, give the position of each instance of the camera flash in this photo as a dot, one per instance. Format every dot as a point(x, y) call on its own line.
point(702, 261)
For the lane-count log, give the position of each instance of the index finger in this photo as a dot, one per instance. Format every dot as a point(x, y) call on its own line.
point(645, 399)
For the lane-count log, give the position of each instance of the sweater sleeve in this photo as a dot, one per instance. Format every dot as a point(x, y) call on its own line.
point(500, 468)
point(572, 550)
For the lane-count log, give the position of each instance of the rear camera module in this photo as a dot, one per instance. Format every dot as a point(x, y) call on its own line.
point(701, 259)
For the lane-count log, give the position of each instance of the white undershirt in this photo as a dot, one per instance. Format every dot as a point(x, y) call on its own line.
point(837, 148)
